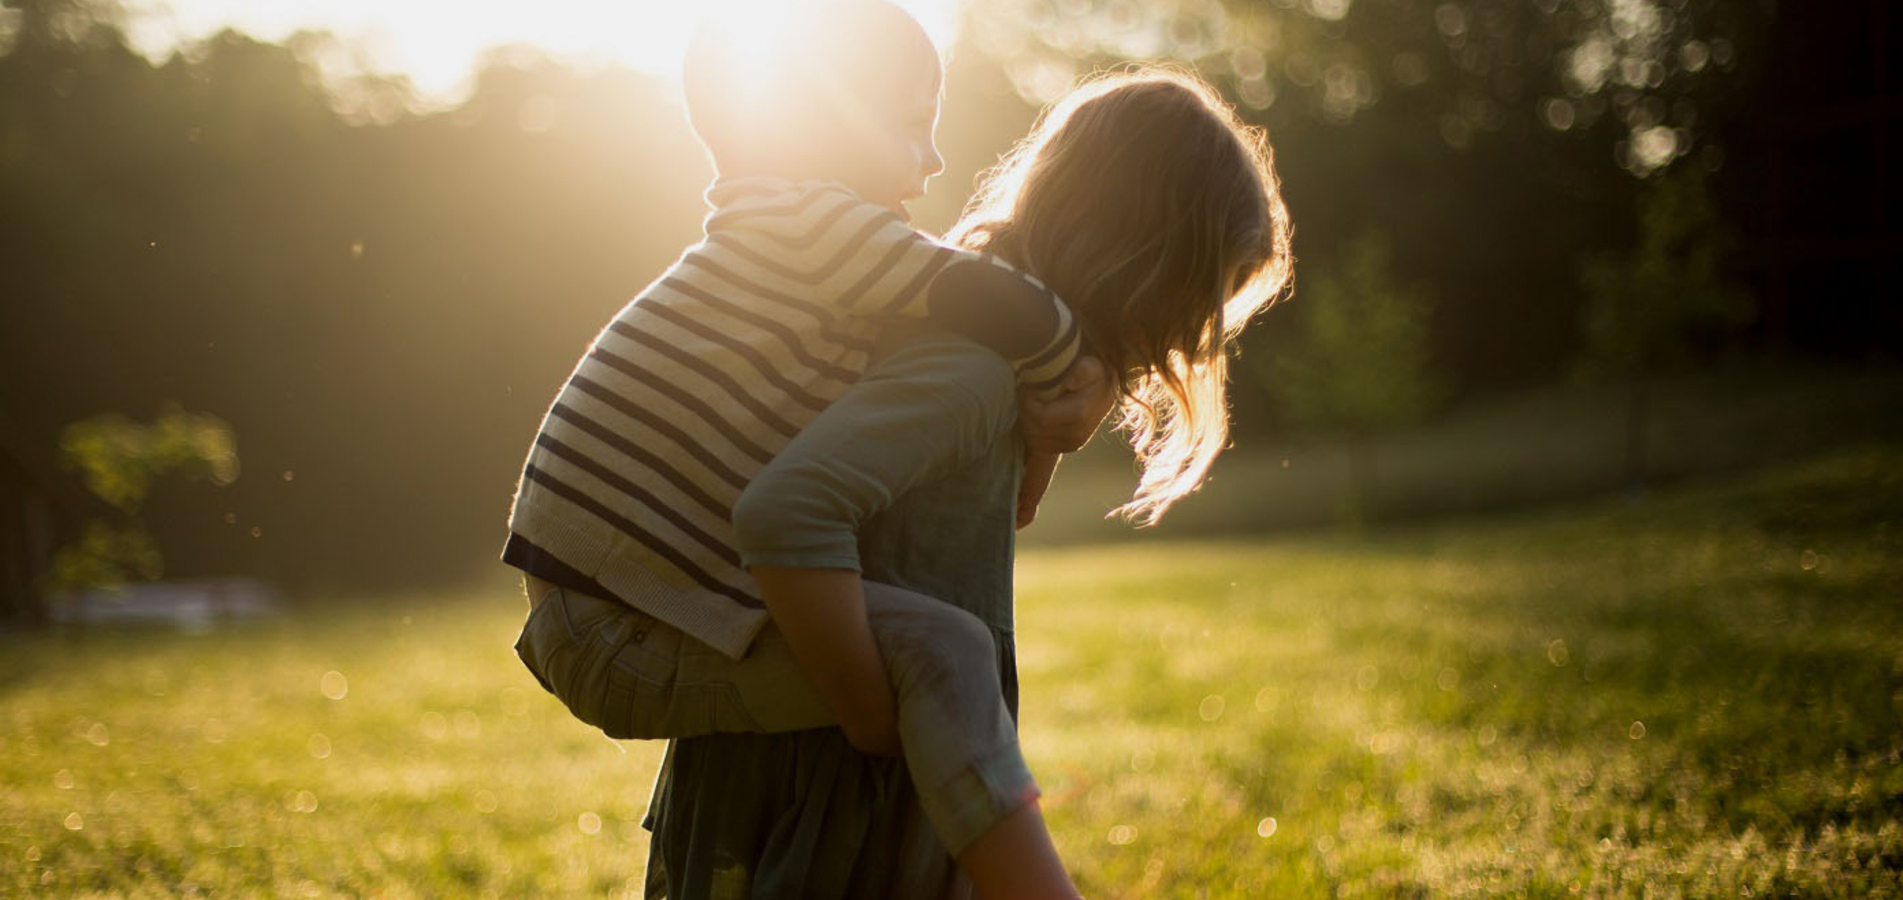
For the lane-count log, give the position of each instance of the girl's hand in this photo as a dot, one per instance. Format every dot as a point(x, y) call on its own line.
point(1067, 423)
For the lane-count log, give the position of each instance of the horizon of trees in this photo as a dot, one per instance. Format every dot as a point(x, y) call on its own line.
point(382, 306)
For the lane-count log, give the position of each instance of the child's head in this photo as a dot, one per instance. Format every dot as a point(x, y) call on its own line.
point(839, 90)
point(1155, 213)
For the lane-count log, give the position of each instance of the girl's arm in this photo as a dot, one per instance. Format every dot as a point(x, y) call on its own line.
point(822, 612)
point(929, 409)
point(1038, 470)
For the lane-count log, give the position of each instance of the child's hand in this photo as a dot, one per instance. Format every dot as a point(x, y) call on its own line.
point(1066, 423)
point(1038, 469)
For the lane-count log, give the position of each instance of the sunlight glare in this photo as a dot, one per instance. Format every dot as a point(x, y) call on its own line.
point(439, 43)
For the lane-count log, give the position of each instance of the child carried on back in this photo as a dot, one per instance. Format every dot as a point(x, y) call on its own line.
point(671, 594)
point(629, 517)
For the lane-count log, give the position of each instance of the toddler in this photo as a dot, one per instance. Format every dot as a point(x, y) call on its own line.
point(644, 620)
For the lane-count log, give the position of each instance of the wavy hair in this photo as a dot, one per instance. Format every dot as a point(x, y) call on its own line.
point(1154, 211)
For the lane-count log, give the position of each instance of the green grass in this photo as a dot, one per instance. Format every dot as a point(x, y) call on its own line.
point(1699, 696)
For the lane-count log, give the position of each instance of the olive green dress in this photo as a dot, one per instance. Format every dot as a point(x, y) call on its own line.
point(801, 815)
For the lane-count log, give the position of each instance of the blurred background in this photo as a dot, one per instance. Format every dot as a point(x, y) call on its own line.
point(1556, 554)
point(287, 286)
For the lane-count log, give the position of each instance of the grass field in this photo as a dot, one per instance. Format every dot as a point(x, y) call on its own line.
point(1699, 696)
point(1503, 451)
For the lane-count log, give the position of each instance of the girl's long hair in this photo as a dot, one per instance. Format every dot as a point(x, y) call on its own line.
point(1154, 211)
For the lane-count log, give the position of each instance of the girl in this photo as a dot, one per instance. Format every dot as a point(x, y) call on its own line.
point(1146, 203)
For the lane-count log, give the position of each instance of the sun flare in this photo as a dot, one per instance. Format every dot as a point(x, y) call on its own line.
point(437, 43)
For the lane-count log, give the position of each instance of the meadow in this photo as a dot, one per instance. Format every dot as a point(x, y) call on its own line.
point(1695, 696)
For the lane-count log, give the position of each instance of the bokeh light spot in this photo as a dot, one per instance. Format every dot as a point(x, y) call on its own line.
point(1329, 10)
point(434, 726)
point(1142, 760)
point(1448, 679)
point(468, 725)
point(1450, 20)
point(1366, 678)
point(1558, 113)
point(1694, 55)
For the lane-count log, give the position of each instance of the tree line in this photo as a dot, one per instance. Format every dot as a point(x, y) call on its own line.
point(381, 305)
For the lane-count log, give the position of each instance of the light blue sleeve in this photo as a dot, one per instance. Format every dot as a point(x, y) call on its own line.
point(929, 409)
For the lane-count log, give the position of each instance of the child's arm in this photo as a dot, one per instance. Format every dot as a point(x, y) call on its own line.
point(863, 260)
point(1010, 313)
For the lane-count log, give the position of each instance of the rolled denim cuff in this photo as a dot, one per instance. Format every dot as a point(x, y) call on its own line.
point(979, 796)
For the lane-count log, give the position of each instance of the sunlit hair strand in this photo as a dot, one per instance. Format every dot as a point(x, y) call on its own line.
point(1154, 211)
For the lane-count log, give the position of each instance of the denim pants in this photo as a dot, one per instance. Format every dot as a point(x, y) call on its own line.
point(634, 676)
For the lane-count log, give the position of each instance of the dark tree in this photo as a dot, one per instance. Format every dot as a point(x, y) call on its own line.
point(1648, 306)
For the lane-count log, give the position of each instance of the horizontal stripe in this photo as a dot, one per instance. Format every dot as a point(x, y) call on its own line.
point(941, 256)
point(706, 370)
point(849, 298)
point(777, 228)
point(777, 329)
point(716, 365)
point(693, 404)
point(613, 542)
point(613, 479)
point(740, 348)
point(667, 429)
point(820, 314)
point(726, 192)
point(1046, 388)
point(737, 214)
point(660, 547)
point(522, 554)
point(1057, 348)
point(641, 455)
point(814, 277)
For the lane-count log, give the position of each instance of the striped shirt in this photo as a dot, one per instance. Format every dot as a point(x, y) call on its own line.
point(695, 384)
